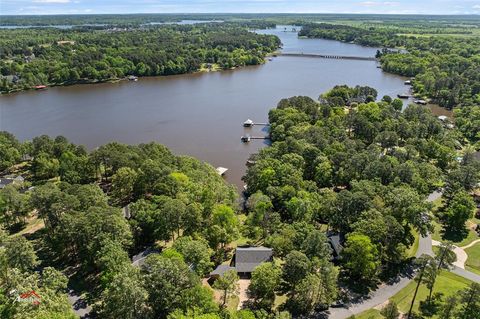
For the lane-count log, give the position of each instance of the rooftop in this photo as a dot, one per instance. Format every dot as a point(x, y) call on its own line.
point(221, 170)
point(221, 269)
point(247, 258)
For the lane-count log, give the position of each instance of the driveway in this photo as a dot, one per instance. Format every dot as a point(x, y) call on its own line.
point(386, 291)
point(243, 285)
point(79, 305)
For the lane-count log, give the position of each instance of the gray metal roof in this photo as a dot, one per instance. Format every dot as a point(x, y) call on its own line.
point(5, 181)
point(335, 242)
point(221, 269)
point(247, 258)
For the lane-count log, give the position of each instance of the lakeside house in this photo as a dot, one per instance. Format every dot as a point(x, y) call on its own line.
point(244, 261)
point(11, 180)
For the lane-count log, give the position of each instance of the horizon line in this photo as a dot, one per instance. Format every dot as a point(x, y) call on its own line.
point(242, 13)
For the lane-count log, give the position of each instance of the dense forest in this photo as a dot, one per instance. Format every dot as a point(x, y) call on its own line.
point(344, 164)
point(52, 56)
point(434, 21)
point(446, 67)
point(136, 230)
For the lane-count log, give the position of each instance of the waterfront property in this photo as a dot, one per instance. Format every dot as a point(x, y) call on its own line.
point(154, 108)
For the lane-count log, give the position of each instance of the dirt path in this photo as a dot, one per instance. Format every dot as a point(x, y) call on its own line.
point(243, 288)
point(471, 244)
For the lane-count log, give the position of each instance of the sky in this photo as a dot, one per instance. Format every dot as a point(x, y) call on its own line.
point(240, 6)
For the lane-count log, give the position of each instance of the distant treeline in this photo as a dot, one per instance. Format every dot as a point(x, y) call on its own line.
point(445, 66)
point(50, 56)
point(122, 19)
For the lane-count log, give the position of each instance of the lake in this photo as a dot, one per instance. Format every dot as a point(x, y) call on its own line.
point(196, 114)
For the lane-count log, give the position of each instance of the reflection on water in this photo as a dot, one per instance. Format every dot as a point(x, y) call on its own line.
point(197, 114)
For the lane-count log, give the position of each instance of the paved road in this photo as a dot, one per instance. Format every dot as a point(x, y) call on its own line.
point(79, 305)
point(466, 274)
point(385, 291)
point(375, 298)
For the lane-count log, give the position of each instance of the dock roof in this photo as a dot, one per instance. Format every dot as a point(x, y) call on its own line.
point(221, 170)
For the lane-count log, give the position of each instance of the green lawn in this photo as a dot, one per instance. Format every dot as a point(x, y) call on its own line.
point(447, 283)
point(370, 314)
point(232, 303)
point(412, 250)
point(438, 235)
point(279, 300)
point(473, 261)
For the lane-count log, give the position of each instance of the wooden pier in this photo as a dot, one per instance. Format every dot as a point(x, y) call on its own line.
point(327, 56)
point(248, 138)
point(250, 123)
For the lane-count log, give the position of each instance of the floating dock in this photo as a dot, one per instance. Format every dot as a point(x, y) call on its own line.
point(248, 138)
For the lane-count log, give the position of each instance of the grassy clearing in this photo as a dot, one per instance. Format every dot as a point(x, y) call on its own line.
point(471, 236)
point(33, 224)
point(213, 67)
point(279, 300)
point(473, 261)
point(412, 250)
point(447, 283)
point(370, 314)
point(232, 303)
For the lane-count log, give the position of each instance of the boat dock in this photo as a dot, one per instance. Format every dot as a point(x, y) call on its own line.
point(221, 170)
point(327, 56)
point(248, 138)
point(250, 123)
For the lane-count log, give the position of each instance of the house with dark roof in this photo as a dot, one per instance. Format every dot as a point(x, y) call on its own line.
point(476, 155)
point(335, 241)
point(7, 180)
point(245, 260)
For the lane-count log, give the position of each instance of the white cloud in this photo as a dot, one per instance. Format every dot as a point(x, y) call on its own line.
point(51, 1)
point(477, 6)
point(375, 3)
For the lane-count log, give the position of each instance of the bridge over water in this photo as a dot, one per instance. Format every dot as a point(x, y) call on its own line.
point(327, 56)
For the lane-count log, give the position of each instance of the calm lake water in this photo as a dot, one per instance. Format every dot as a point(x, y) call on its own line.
point(197, 114)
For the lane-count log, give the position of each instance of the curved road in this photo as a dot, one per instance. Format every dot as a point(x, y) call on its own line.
point(375, 298)
point(385, 291)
